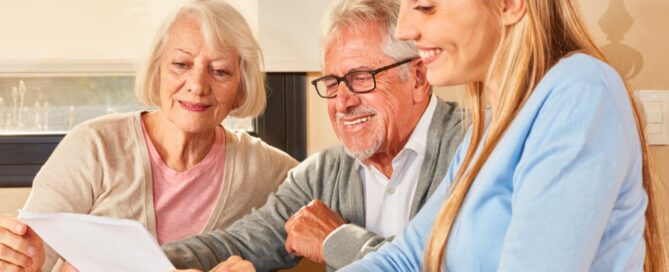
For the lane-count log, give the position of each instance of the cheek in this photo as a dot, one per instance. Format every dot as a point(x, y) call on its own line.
point(482, 32)
point(331, 111)
point(394, 105)
point(443, 34)
point(396, 112)
point(467, 57)
point(225, 104)
point(169, 85)
point(164, 95)
point(392, 100)
point(226, 97)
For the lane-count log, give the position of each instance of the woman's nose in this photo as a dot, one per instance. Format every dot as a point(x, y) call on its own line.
point(198, 80)
point(405, 29)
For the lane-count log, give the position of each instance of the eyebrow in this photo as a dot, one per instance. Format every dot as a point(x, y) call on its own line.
point(184, 51)
point(221, 63)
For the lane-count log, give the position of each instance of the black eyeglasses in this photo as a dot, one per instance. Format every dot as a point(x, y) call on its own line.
point(356, 81)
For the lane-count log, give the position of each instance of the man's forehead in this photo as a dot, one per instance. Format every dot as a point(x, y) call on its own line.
point(351, 42)
point(353, 52)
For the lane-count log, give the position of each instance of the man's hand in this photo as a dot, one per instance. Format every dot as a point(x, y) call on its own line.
point(20, 247)
point(232, 264)
point(307, 229)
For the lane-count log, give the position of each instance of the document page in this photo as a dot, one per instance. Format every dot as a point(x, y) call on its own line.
point(94, 243)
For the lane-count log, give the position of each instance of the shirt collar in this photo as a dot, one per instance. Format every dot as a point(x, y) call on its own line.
point(418, 139)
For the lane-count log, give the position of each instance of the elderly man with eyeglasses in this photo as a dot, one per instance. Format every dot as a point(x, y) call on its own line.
point(397, 143)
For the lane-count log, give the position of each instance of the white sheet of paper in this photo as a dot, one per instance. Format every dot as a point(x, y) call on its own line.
point(94, 243)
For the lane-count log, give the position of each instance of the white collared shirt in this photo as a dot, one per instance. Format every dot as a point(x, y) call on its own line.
point(388, 201)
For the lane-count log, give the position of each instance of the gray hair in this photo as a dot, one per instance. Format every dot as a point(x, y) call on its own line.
point(224, 29)
point(353, 14)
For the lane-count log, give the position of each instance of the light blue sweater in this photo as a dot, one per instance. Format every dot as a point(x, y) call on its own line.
point(561, 192)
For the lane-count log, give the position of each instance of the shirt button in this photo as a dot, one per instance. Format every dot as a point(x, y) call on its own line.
point(391, 190)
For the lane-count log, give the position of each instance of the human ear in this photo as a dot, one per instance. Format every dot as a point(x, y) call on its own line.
point(421, 88)
point(513, 11)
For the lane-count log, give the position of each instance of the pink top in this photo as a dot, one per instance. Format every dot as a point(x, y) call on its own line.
point(184, 201)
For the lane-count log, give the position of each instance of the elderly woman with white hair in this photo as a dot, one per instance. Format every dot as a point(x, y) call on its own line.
point(176, 170)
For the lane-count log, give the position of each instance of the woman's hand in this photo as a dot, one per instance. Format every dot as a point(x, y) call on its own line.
point(232, 264)
point(20, 247)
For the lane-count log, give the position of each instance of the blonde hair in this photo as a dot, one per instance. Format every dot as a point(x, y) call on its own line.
point(224, 29)
point(550, 30)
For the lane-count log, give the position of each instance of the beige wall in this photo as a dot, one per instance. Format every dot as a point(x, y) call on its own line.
point(11, 199)
point(45, 35)
point(37, 31)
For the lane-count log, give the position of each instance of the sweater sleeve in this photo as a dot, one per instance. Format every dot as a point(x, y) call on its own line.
point(576, 160)
point(349, 243)
point(68, 181)
point(405, 252)
point(258, 237)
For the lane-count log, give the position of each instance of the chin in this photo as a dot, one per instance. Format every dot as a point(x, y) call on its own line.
point(359, 153)
point(362, 150)
point(438, 78)
point(192, 127)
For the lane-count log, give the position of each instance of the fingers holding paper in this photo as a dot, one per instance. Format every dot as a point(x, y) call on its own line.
point(20, 247)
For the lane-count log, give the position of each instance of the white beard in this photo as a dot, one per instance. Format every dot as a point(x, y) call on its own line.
point(377, 139)
point(362, 155)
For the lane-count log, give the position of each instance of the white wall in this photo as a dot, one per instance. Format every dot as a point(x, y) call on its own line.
point(71, 35)
point(289, 33)
point(44, 30)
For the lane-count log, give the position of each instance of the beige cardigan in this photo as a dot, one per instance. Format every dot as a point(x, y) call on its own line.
point(102, 167)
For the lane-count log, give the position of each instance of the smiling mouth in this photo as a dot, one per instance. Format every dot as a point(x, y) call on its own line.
point(196, 107)
point(353, 122)
point(428, 55)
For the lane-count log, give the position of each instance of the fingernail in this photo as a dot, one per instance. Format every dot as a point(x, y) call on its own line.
point(18, 228)
point(31, 251)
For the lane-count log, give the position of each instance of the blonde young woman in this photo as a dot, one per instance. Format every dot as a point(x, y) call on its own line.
point(176, 169)
point(554, 173)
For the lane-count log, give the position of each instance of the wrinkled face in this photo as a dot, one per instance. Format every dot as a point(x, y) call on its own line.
point(456, 39)
point(198, 86)
point(367, 123)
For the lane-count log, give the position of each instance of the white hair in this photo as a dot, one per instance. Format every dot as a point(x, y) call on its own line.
point(223, 29)
point(352, 15)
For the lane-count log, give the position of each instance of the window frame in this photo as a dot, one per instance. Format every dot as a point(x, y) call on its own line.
point(283, 125)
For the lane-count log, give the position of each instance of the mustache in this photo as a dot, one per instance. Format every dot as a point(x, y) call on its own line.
point(339, 116)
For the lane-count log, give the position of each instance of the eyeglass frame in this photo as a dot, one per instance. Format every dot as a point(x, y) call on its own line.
point(348, 84)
